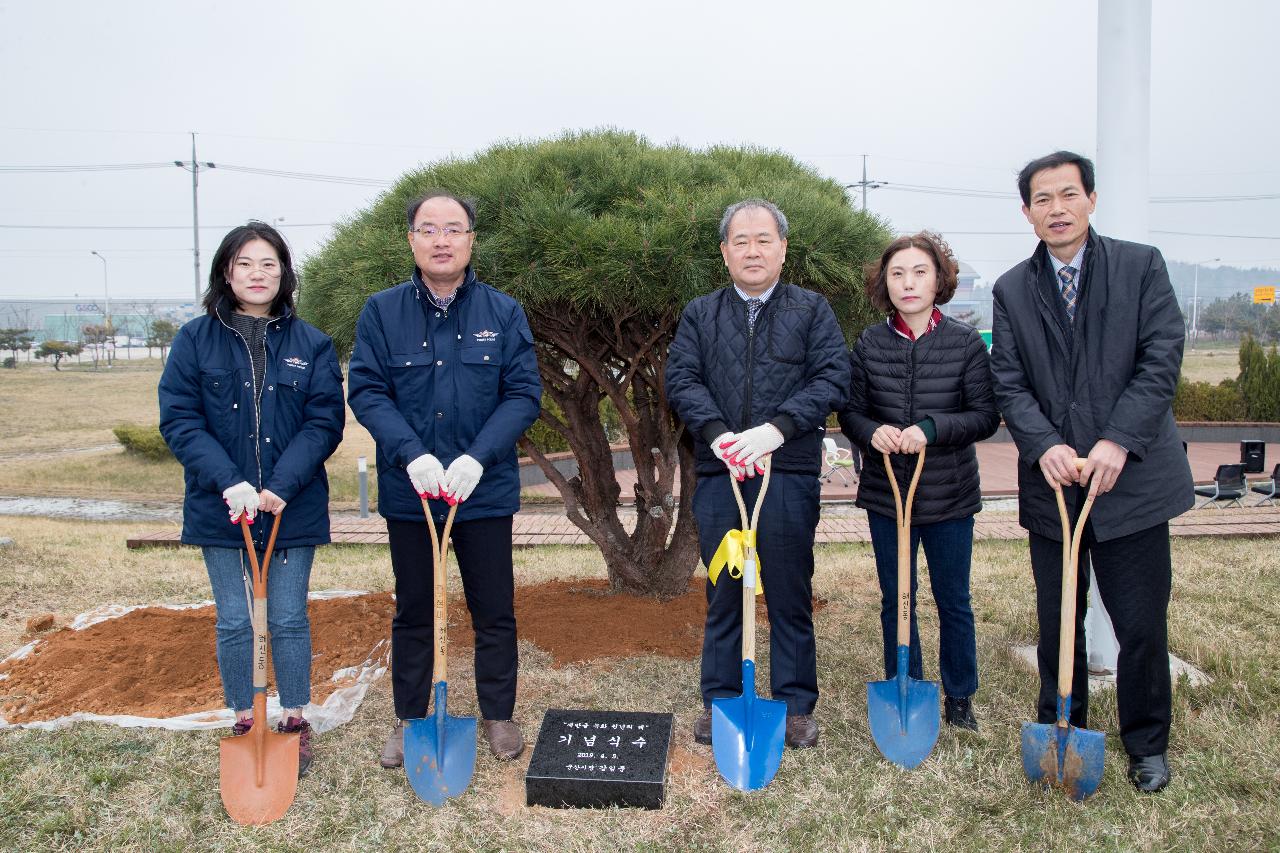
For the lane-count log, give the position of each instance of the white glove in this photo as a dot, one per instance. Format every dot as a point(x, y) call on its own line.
point(241, 498)
point(461, 478)
point(749, 445)
point(718, 448)
point(425, 473)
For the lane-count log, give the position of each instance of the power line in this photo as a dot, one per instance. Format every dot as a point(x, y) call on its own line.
point(151, 227)
point(307, 176)
point(101, 167)
point(252, 170)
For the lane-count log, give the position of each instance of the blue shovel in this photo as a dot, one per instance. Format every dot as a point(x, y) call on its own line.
point(903, 711)
point(1062, 755)
point(747, 732)
point(440, 750)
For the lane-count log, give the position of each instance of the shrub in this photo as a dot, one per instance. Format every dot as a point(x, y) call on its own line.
point(1203, 401)
point(145, 441)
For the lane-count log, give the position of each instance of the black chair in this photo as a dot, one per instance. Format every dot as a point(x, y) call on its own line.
point(1228, 485)
point(1269, 489)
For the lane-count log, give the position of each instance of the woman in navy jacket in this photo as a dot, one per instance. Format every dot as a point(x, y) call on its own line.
point(251, 405)
point(922, 378)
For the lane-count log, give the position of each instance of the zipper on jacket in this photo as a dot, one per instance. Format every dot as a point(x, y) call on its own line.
point(751, 358)
point(257, 402)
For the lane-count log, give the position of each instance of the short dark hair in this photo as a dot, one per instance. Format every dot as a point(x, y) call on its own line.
point(220, 287)
point(411, 209)
point(877, 273)
point(1053, 161)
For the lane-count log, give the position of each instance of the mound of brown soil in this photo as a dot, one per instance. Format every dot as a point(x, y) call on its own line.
point(157, 662)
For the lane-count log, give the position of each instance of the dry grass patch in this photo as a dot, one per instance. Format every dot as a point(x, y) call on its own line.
point(98, 787)
point(1211, 363)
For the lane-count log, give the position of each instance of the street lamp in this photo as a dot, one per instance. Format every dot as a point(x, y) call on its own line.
point(106, 292)
point(1195, 300)
point(275, 222)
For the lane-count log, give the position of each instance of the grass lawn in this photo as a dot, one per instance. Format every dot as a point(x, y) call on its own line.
point(1210, 362)
point(47, 413)
point(100, 787)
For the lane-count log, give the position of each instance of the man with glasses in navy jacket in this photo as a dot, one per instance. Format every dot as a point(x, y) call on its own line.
point(444, 377)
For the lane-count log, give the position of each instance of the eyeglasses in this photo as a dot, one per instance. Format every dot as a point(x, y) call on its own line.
point(449, 231)
point(269, 268)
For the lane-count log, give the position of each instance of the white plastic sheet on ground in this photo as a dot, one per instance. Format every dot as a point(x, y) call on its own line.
point(338, 708)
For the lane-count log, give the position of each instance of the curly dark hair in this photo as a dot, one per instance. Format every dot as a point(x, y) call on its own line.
point(935, 247)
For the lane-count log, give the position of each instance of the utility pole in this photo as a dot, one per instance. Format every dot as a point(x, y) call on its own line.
point(194, 166)
point(865, 184)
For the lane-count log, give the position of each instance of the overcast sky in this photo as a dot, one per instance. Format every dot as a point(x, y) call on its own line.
point(940, 94)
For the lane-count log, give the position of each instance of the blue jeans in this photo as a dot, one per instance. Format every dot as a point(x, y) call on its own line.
point(287, 579)
point(948, 546)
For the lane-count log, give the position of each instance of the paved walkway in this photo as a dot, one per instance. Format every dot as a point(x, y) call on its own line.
point(997, 467)
point(841, 521)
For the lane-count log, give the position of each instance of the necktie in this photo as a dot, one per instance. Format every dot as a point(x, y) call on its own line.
point(753, 311)
point(1067, 276)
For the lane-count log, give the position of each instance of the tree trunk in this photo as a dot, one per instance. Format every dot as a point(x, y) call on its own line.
point(582, 363)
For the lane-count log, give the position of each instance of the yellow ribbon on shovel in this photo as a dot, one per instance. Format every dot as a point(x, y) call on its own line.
point(731, 554)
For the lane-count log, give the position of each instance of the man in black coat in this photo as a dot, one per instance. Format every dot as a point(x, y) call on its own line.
point(753, 371)
point(1086, 350)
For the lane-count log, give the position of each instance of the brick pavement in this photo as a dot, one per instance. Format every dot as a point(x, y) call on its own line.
point(841, 522)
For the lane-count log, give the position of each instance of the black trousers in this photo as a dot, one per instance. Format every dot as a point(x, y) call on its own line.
point(483, 549)
point(1134, 575)
point(788, 520)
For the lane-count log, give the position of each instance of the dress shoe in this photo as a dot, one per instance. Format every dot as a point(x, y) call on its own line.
point(1149, 773)
point(702, 728)
point(393, 749)
point(506, 741)
point(959, 713)
point(802, 731)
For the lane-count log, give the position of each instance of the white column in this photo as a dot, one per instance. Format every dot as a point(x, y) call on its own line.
point(1124, 192)
point(1124, 119)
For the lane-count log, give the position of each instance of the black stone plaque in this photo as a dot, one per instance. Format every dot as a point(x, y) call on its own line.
point(595, 759)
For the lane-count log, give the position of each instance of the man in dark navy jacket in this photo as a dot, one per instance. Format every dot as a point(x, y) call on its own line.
point(445, 379)
point(753, 371)
point(1086, 349)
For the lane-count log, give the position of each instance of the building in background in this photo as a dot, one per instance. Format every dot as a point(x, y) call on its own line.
point(65, 319)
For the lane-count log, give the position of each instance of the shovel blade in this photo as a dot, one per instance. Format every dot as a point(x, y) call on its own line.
point(907, 738)
point(439, 753)
point(247, 802)
point(747, 735)
point(1070, 758)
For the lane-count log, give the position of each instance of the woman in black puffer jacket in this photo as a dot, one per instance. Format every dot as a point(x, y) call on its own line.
point(922, 378)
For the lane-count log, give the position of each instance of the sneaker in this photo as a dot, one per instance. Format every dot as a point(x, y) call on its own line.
point(242, 727)
point(303, 729)
point(959, 713)
point(393, 749)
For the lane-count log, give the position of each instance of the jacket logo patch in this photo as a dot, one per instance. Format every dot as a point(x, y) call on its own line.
point(296, 363)
point(486, 336)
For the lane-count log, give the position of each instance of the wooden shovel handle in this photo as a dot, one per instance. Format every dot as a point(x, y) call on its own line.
point(749, 592)
point(903, 516)
point(258, 613)
point(439, 559)
point(1067, 613)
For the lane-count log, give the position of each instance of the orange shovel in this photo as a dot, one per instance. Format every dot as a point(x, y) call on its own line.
point(259, 770)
